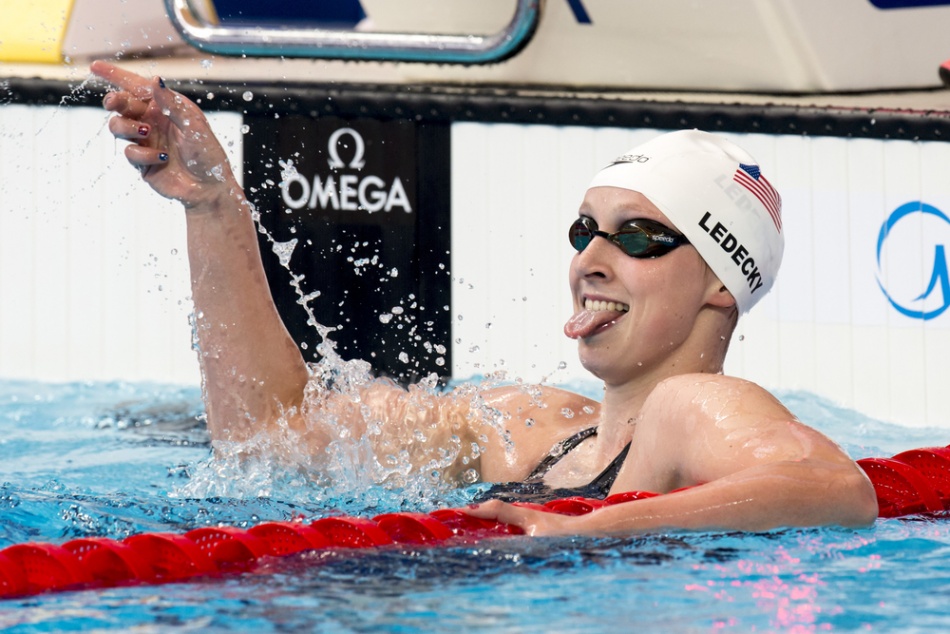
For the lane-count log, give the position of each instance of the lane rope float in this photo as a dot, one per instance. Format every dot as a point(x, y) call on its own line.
point(912, 482)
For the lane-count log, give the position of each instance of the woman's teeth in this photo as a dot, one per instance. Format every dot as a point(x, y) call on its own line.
point(590, 304)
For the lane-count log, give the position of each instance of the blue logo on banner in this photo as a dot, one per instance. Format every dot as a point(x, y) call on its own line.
point(580, 13)
point(907, 4)
point(939, 278)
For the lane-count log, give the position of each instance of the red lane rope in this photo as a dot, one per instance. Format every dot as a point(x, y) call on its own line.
point(912, 482)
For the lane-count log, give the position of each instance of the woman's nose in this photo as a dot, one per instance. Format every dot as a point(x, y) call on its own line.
point(596, 259)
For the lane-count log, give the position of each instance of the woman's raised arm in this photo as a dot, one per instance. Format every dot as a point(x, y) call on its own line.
point(252, 369)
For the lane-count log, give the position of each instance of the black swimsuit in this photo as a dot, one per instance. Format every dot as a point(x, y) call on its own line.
point(533, 488)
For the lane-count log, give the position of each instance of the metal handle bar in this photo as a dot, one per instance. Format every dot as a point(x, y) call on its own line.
point(199, 30)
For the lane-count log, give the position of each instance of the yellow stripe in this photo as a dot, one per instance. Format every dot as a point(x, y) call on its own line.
point(33, 30)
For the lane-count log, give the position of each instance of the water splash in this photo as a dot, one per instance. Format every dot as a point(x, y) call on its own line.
point(65, 101)
point(360, 442)
point(354, 432)
point(283, 251)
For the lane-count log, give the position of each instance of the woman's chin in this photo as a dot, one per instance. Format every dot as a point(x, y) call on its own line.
point(594, 361)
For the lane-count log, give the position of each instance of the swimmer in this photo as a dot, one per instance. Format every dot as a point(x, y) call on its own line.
point(674, 240)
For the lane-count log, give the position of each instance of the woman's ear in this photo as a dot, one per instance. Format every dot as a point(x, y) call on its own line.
point(717, 294)
point(722, 298)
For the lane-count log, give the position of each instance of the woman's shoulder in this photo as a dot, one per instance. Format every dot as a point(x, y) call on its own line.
point(685, 385)
point(542, 403)
point(715, 396)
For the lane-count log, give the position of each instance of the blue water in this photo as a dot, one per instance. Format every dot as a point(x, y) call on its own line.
point(116, 459)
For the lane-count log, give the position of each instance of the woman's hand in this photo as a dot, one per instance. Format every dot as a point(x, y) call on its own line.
point(171, 142)
point(533, 522)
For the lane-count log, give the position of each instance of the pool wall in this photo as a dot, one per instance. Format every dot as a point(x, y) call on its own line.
point(93, 278)
point(93, 270)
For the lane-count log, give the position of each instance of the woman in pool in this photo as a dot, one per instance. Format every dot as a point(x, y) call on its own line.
point(674, 239)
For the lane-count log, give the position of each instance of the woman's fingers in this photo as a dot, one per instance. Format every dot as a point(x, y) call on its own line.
point(531, 521)
point(125, 80)
point(500, 512)
point(141, 156)
point(129, 129)
point(181, 110)
point(124, 104)
point(132, 98)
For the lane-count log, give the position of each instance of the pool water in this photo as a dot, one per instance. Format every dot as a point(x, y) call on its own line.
point(79, 460)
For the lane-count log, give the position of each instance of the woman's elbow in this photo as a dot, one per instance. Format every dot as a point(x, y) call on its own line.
point(858, 500)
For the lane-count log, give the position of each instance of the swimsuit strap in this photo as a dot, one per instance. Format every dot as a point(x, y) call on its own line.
point(534, 490)
point(558, 451)
point(605, 481)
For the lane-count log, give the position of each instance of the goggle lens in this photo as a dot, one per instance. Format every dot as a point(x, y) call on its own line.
point(641, 238)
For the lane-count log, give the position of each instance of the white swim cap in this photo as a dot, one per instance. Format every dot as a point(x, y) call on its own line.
point(715, 194)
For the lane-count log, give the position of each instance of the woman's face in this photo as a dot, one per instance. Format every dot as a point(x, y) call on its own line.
point(655, 301)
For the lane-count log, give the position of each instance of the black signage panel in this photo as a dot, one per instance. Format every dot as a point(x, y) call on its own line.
point(357, 211)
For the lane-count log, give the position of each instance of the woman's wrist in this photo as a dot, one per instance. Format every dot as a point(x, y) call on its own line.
point(217, 198)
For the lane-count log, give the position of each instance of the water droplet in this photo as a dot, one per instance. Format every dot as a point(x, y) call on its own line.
point(567, 412)
point(470, 476)
point(404, 357)
point(529, 422)
point(248, 95)
point(385, 318)
point(741, 337)
point(562, 365)
point(245, 129)
point(284, 250)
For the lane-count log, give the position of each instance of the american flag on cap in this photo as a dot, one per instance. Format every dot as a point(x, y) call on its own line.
point(750, 177)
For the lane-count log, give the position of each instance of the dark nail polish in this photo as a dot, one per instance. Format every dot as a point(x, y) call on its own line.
point(163, 157)
point(143, 130)
point(161, 82)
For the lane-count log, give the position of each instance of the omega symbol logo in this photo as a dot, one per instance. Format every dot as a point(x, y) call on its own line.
point(333, 147)
point(343, 191)
point(910, 230)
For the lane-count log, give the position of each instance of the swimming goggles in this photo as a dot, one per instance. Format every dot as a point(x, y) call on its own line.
point(640, 238)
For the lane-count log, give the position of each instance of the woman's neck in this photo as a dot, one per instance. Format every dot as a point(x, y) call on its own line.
point(702, 353)
point(622, 403)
